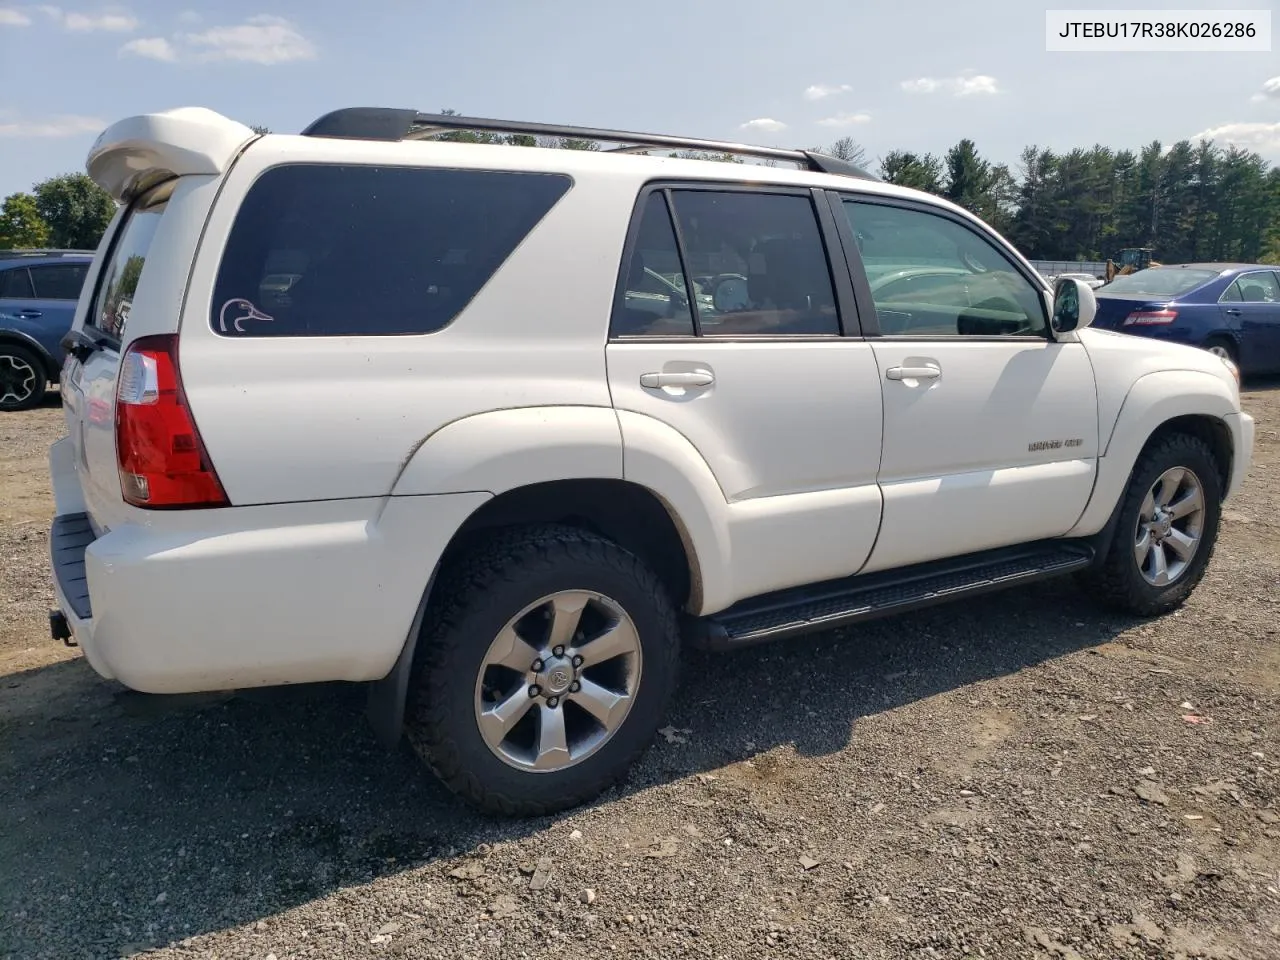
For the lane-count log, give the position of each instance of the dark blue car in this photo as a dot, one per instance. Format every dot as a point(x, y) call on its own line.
point(39, 290)
point(1231, 309)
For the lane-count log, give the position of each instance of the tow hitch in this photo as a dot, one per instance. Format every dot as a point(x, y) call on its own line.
point(60, 629)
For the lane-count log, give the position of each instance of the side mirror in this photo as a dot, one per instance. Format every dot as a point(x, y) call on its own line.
point(730, 295)
point(1074, 305)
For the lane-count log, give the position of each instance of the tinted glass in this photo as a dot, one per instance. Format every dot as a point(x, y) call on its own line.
point(61, 281)
point(963, 285)
point(1258, 287)
point(15, 284)
point(120, 275)
point(1156, 282)
point(332, 250)
point(655, 297)
point(761, 263)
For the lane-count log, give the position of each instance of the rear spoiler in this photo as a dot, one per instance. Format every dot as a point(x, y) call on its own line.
point(138, 152)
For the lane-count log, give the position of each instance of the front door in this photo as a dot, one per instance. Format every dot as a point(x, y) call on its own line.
point(990, 426)
point(728, 342)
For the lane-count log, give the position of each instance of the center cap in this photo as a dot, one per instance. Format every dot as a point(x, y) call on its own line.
point(558, 676)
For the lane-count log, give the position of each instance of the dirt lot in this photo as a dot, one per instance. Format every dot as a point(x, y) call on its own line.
point(1015, 777)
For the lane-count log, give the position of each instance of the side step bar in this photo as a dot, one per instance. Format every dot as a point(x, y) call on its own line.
point(840, 603)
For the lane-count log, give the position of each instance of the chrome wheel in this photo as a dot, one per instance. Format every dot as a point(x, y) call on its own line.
point(558, 681)
point(18, 380)
point(1219, 350)
point(1170, 526)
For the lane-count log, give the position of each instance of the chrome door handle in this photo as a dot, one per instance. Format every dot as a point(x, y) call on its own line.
point(913, 373)
point(694, 378)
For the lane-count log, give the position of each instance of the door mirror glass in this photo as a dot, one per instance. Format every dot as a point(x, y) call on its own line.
point(1074, 305)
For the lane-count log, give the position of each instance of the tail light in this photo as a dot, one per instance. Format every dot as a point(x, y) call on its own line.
point(1150, 318)
point(162, 461)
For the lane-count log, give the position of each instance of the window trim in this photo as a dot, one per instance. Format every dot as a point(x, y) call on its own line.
point(31, 284)
point(862, 286)
point(847, 315)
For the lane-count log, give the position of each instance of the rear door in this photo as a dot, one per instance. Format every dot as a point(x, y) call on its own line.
point(1252, 305)
point(748, 364)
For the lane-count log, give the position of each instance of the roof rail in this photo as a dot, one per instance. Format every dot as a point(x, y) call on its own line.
point(15, 254)
point(384, 123)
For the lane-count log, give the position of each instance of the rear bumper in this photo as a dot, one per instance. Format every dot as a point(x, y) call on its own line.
point(251, 596)
point(1242, 431)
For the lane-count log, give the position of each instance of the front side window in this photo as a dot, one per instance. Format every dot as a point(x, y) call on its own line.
point(327, 250)
point(120, 275)
point(931, 276)
point(59, 281)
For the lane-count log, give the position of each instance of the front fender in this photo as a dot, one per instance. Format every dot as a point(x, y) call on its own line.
point(1153, 400)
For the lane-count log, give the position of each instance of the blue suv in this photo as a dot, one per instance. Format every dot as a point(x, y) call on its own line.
point(39, 290)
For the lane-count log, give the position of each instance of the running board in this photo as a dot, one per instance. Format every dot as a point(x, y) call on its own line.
point(839, 603)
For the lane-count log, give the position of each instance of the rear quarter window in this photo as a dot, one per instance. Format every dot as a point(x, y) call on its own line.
point(347, 250)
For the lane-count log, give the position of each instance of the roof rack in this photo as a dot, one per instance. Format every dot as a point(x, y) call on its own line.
point(16, 254)
point(384, 123)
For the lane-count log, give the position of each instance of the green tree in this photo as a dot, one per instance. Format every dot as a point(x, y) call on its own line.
point(848, 150)
point(260, 131)
point(920, 172)
point(21, 226)
point(76, 209)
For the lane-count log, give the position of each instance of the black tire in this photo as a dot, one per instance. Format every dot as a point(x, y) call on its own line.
point(1225, 344)
point(14, 359)
point(1116, 580)
point(478, 594)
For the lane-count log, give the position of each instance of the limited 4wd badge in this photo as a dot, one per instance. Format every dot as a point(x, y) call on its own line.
point(1053, 444)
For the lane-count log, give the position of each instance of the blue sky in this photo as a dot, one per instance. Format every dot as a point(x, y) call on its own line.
point(909, 74)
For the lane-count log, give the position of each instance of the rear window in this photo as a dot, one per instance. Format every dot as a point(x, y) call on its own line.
point(15, 284)
point(1156, 282)
point(59, 281)
point(118, 281)
point(337, 250)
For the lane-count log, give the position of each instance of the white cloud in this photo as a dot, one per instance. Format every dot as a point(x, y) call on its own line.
point(262, 39)
point(820, 91)
point(844, 120)
point(764, 125)
point(1270, 91)
point(965, 85)
point(151, 48)
point(52, 126)
point(112, 20)
point(1261, 137)
point(13, 18)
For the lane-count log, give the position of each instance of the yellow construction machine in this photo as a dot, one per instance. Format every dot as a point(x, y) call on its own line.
point(1132, 259)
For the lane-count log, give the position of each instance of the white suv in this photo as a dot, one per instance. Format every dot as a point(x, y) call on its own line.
point(495, 429)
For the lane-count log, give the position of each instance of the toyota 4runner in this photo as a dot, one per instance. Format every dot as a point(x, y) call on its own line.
point(495, 429)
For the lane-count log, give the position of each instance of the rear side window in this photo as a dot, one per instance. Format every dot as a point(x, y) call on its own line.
point(59, 281)
point(335, 250)
point(15, 284)
point(118, 281)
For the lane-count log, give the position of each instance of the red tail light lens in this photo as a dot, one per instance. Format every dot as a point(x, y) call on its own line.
point(162, 461)
point(1148, 318)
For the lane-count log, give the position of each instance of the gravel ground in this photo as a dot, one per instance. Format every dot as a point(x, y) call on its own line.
point(1017, 776)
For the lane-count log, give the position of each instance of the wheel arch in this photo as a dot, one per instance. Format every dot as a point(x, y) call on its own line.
point(17, 337)
point(627, 513)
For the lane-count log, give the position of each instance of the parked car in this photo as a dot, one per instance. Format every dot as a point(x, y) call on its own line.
point(463, 462)
point(1093, 282)
point(38, 294)
point(1230, 309)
